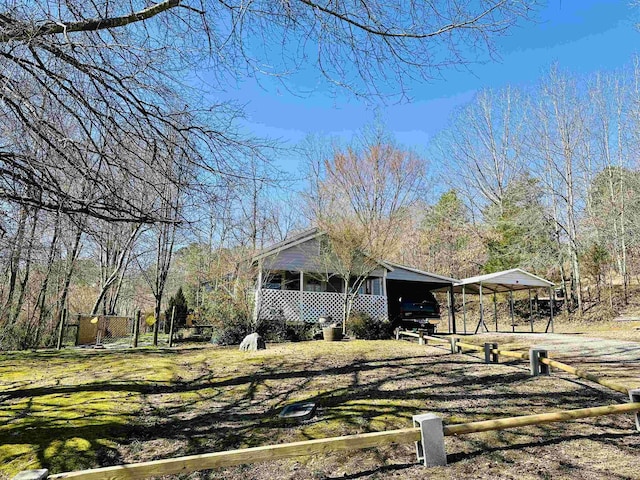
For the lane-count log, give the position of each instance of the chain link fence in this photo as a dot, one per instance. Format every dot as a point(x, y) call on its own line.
point(112, 331)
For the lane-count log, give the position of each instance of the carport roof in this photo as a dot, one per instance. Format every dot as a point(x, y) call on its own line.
point(505, 281)
point(402, 272)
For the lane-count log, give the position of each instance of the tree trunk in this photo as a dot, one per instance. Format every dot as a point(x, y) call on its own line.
point(14, 262)
point(116, 269)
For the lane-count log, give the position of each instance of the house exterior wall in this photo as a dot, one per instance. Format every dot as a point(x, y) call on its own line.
point(303, 257)
point(293, 306)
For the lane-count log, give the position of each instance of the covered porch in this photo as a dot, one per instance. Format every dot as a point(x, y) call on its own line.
point(294, 296)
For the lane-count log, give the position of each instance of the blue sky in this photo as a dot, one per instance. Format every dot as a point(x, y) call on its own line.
point(582, 36)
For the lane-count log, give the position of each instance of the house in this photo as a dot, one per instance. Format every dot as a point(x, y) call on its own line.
point(294, 283)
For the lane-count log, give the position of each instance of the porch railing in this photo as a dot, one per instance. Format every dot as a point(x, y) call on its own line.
point(295, 305)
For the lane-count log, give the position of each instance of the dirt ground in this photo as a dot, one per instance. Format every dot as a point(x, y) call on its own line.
point(79, 409)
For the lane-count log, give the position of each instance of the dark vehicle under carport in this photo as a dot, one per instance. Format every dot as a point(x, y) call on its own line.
point(411, 302)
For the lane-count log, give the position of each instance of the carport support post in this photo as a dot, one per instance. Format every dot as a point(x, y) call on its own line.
point(551, 301)
point(448, 313)
point(530, 310)
point(495, 309)
point(464, 311)
point(634, 396)
point(513, 324)
point(453, 311)
point(430, 449)
point(136, 329)
point(481, 322)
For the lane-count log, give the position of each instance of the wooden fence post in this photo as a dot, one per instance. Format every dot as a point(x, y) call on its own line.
point(136, 329)
point(173, 316)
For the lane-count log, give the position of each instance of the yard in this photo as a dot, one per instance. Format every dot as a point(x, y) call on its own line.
point(79, 409)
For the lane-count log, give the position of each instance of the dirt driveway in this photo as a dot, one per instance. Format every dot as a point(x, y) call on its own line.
point(602, 356)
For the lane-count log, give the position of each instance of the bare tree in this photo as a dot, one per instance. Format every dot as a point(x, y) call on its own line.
point(560, 140)
point(610, 130)
point(366, 196)
point(486, 146)
point(116, 71)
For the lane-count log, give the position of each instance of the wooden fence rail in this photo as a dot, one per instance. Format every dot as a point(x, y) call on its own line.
point(586, 375)
point(539, 419)
point(525, 356)
point(192, 463)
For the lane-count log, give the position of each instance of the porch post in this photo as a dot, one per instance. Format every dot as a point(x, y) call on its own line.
point(384, 282)
point(301, 296)
point(258, 296)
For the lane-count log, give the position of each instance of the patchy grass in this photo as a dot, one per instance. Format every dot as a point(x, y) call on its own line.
point(80, 409)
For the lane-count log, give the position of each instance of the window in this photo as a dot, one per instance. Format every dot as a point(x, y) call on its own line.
point(312, 284)
point(371, 286)
point(291, 280)
point(335, 284)
point(273, 281)
point(376, 286)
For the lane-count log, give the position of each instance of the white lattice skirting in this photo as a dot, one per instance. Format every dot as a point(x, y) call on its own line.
point(293, 305)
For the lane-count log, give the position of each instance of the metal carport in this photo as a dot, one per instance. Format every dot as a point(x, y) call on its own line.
point(405, 281)
point(502, 282)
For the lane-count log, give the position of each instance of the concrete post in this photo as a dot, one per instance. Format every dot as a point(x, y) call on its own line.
point(32, 474)
point(420, 337)
point(490, 357)
point(454, 344)
point(430, 449)
point(537, 367)
point(634, 396)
